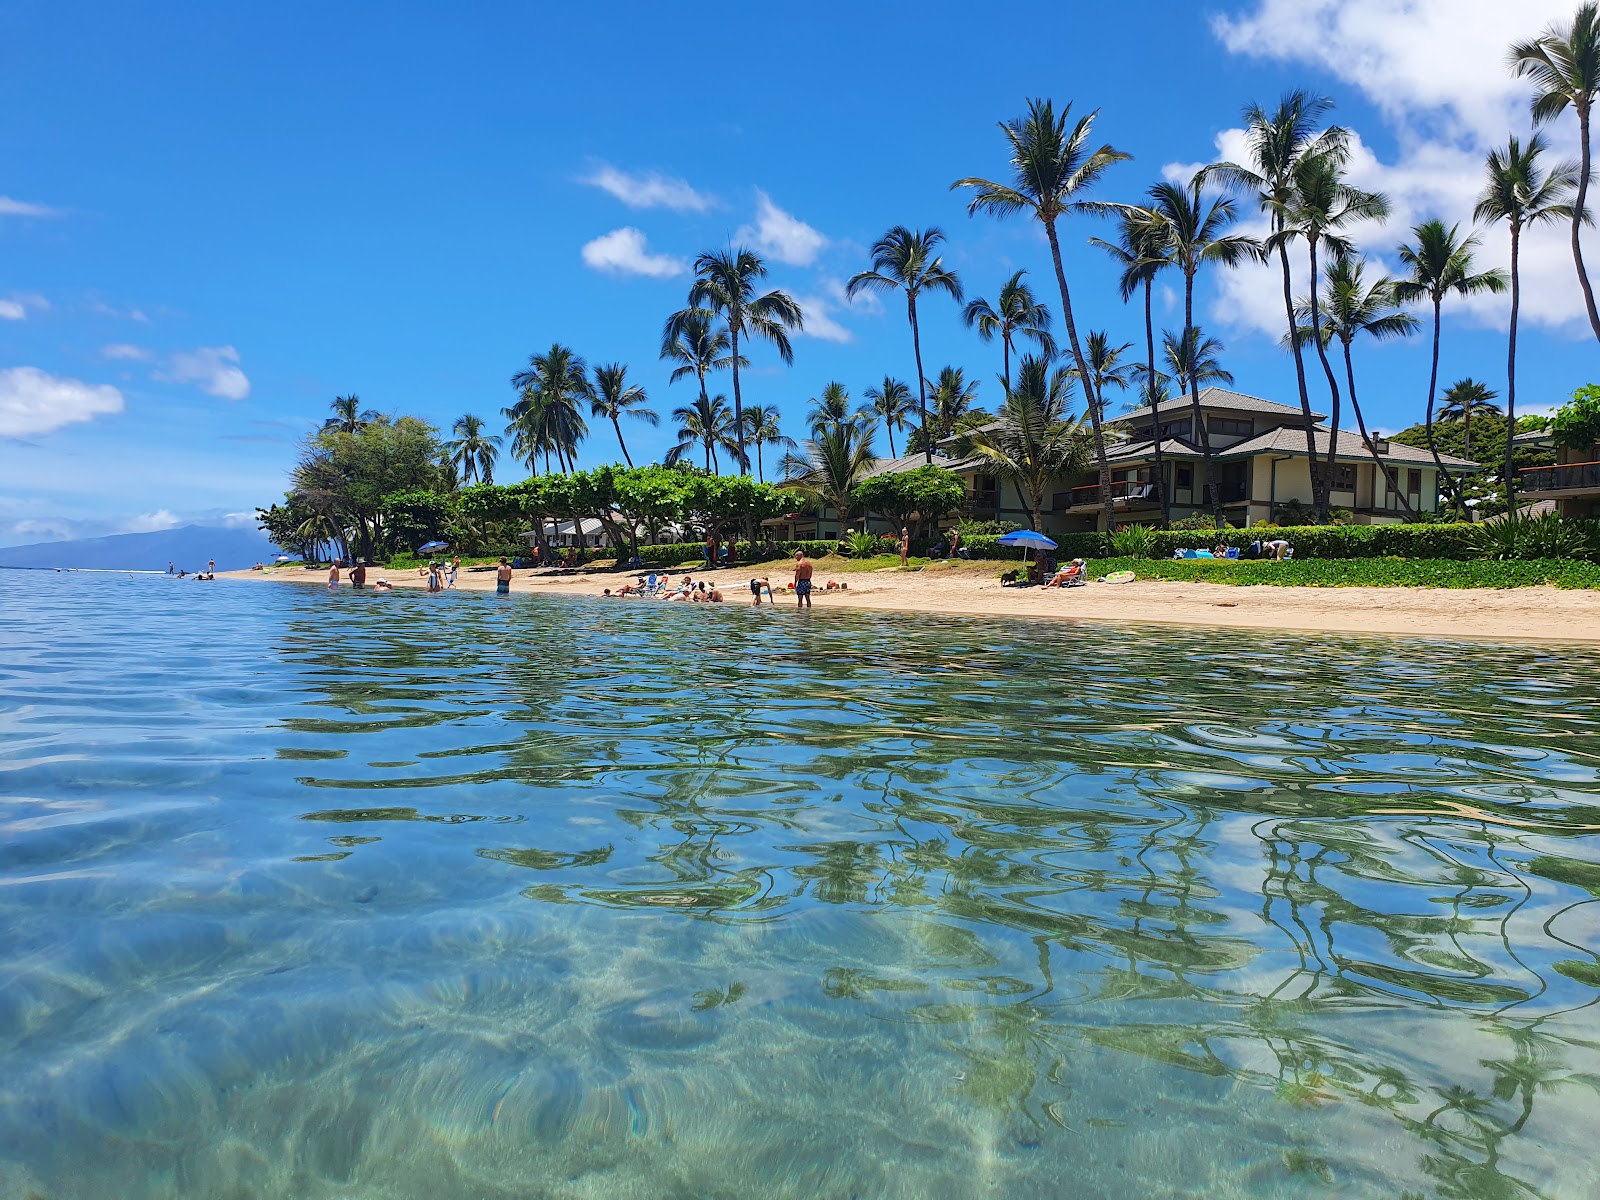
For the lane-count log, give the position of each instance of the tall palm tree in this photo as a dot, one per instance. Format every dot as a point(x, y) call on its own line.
point(727, 285)
point(614, 395)
point(762, 428)
point(691, 340)
point(1349, 308)
point(1461, 400)
point(904, 260)
point(833, 464)
point(891, 404)
point(1441, 265)
point(831, 407)
point(1193, 359)
point(1280, 143)
point(951, 397)
point(473, 451)
point(707, 423)
point(1050, 167)
point(1195, 228)
point(1143, 250)
point(1106, 367)
point(1034, 442)
point(1519, 192)
point(348, 415)
point(552, 387)
point(1016, 313)
point(1564, 64)
point(1323, 206)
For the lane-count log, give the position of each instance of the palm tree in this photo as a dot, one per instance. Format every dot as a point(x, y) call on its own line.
point(830, 408)
point(725, 285)
point(1015, 313)
point(1194, 229)
point(1323, 205)
point(1280, 142)
point(762, 428)
point(1106, 367)
point(891, 404)
point(1050, 166)
point(904, 259)
point(1349, 308)
point(1143, 250)
point(348, 415)
point(707, 423)
point(1441, 263)
point(834, 462)
point(1461, 400)
point(1564, 64)
point(952, 397)
point(613, 396)
point(552, 386)
point(1520, 193)
point(1034, 442)
point(473, 451)
point(1193, 359)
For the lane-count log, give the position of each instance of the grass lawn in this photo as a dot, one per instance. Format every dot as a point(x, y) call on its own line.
point(1361, 572)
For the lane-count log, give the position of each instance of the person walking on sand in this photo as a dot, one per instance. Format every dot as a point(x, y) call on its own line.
point(455, 567)
point(757, 586)
point(905, 547)
point(333, 576)
point(211, 567)
point(802, 579)
point(358, 576)
point(502, 578)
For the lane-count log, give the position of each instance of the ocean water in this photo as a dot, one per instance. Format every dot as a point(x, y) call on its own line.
point(334, 896)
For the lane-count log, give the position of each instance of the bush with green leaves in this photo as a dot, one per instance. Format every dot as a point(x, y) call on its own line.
point(1133, 541)
point(861, 545)
point(1576, 423)
point(1544, 536)
point(1369, 572)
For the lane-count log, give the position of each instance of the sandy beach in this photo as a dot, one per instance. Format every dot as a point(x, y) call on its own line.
point(1542, 614)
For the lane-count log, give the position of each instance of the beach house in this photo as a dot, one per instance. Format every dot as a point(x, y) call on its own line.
point(1572, 481)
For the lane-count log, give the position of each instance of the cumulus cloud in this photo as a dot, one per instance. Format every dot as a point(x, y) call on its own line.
point(623, 252)
point(239, 520)
point(823, 307)
point(33, 402)
point(213, 369)
point(126, 352)
point(649, 189)
point(20, 208)
point(782, 235)
point(152, 522)
point(15, 307)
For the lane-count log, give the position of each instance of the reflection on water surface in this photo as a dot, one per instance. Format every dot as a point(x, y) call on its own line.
point(325, 896)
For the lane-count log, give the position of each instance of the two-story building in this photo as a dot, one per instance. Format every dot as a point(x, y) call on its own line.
point(1573, 482)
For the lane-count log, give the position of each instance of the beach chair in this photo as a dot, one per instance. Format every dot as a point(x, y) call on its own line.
point(1233, 552)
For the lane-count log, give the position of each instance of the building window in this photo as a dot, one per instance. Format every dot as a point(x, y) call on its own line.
point(1229, 425)
point(1185, 477)
point(1344, 477)
point(1177, 428)
point(1414, 481)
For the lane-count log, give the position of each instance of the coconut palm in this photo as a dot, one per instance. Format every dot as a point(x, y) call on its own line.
point(726, 285)
point(707, 423)
point(1461, 400)
point(1564, 64)
point(1195, 227)
point(1441, 265)
point(1520, 192)
point(1193, 359)
point(762, 428)
point(904, 260)
point(1034, 442)
point(348, 415)
point(1106, 365)
point(833, 463)
point(951, 397)
point(891, 404)
point(829, 408)
point(473, 451)
point(1015, 314)
point(1051, 166)
point(552, 387)
point(613, 396)
point(1349, 308)
point(1143, 250)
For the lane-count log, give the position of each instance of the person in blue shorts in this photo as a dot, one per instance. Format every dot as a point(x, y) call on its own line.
point(502, 578)
point(802, 579)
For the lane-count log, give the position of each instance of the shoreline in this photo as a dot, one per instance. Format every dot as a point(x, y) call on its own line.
point(1530, 614)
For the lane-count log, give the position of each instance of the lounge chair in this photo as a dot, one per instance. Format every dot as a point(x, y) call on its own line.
point(1233, 552)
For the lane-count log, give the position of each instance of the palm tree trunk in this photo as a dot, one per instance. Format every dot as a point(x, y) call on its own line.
point(761, 471)
point(1361, 424)
point(1155, 409)
point(1511, 371)
point(1325, 499)
point(1433, 382)
point(1100, 459)
point(738, 402)
point(1005, 348)
point(1313, 464)
point(922, 384)
point(1579, 215)
point(1194, 400)
point(1466, 420)
point(615, 424)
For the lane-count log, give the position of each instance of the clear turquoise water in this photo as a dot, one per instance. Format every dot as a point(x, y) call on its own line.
point(347, 896)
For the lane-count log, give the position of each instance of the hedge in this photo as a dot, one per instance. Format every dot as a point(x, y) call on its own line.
point(654, 557)
point(1370, 572)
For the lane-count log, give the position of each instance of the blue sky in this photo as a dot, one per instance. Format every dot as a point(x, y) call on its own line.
point(216, 218)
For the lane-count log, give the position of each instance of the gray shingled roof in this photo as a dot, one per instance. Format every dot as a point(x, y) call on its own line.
point(910, 462)
point(1217, 398)
point(1138, 451)
point(1288, 440)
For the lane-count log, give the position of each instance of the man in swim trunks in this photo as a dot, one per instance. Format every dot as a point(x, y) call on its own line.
point(757, 586)
point(358, 576)
point(502, 578)
point(802, 579)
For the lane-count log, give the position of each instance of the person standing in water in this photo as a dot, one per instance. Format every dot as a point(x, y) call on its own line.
point(802, 579)
point(358, 576)
point(211, 567)
point(333, 576)
point(502, 578)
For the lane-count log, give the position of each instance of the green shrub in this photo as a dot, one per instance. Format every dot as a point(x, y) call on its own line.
point(1545, 536)
point(1133, 541)
point(861, 545)
point(1369, 572)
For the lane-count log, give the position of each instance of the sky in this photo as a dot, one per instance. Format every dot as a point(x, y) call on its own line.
point(216, 218)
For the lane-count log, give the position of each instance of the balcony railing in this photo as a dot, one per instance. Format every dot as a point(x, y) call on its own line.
point(985, 504)
point(1231, 493)
point(1568, 476)
point(1130, 493)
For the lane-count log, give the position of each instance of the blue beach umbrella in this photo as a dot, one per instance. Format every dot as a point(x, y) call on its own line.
point(430, 547)
point(1026, 537)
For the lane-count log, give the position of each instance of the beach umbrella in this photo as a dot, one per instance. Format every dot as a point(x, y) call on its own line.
point(430, 547)
point(1026, 537)
point(284, 558)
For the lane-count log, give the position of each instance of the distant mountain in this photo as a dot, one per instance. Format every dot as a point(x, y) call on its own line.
point(190, 547)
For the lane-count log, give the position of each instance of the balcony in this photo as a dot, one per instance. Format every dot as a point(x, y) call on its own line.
point(1231, 492)
point(982, 505)
point(1575, 478)
point(1124, 494)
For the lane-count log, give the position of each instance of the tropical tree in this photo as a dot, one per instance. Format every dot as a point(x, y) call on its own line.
point(1051, 166)
point(707, 423)
point(1564, 65)
point(1462, 400)
point(348, 415)
point(727, 285)
point(829, 408)
point(891, 404)
point(832, 464)
point(1015, 314)
point(952, 396)
point(1193, 359)
point(762, 427)
point(1143, 250)
point(1034, 442)
point(552, 387)
point(473, 451)
point(691, 339)
point(1520, 193)
point(613, 396)
point(1195, 226)
point(1441, 265)
point(904, 260)
point(1350, 308)
point(1106, 365)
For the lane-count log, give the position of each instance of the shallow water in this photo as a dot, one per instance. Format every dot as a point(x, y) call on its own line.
point(335, 896)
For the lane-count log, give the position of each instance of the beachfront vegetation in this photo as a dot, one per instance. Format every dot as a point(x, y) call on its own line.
point(1367, 572)
point(1577, 422)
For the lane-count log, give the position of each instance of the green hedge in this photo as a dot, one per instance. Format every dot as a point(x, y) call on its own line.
point(1369, 572)
point(655, 557)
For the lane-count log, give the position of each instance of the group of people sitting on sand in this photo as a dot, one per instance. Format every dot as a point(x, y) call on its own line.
point(660, 587)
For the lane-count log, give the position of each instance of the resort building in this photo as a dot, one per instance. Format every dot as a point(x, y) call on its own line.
point(1573, 482)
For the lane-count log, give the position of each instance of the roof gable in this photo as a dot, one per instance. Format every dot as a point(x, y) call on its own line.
point(1218, 398)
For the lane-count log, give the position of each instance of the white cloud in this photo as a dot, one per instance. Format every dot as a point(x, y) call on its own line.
point(650, 189)
point(822, 306)
point(623, 252)
point(127, 352)
point(12, 310)
point(783, 236)
point(239, 520)
point(152, 522)
point(213, 369)
point(20, 208)
point(101, 308)
point(32, 402)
